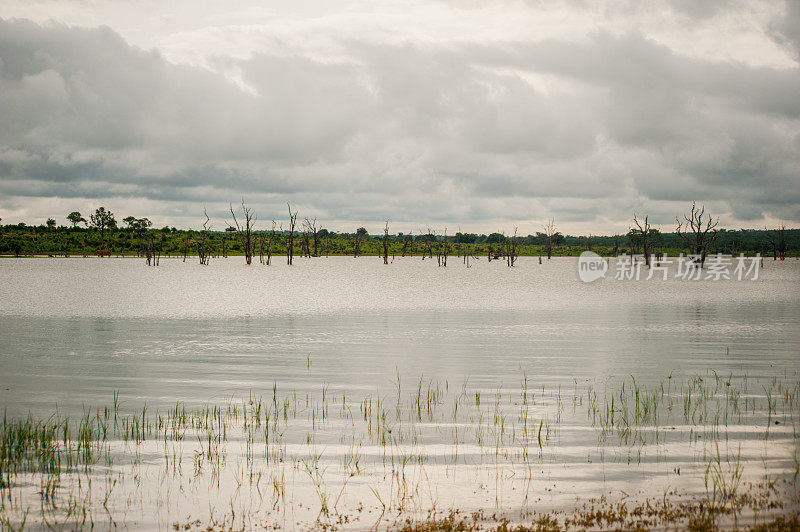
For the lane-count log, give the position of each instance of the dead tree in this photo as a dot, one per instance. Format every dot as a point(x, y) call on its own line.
point(616, 245)
point(443, 250)
point(148, 249)
point(202, 240)
point(549, 235)
point(360, 234)
point(468, 255)
point(269, 243)
point(644, 231)
point(777, 241)
point(310, 233)
point(407, 240)
point(697, 234)
point(386, 243)
point(511, 249)
point(290, 237)
point(782, 246)
point(310, 229)
point(245, 231)
point(427, 243)
point(152, 253)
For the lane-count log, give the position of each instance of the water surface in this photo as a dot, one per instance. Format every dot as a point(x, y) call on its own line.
point(74, 331)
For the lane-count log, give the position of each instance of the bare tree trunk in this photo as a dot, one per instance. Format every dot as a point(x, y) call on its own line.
point(644, 230)
point(445, 249)
point(246, 231)
point(511, 250)
point(290, 243)
point(549, 232)
point(782, 246)
point(408, 242)
point(269, 244)
point(310, 228)
point(202, 252)
point(386, 243)
point(152, 254)
point(695, 232)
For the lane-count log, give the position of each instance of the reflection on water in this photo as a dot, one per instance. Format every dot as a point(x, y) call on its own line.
point(75, 331)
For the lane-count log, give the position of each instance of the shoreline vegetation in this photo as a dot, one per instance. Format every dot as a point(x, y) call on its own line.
point(726, 445)
point(102, 235)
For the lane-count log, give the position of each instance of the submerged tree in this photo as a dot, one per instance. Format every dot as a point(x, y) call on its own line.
point(246, 230)
point(427, 240)
point(698, 234)
point(361, 232)
point(643, 230)
point(270, 241)
point(290, 236)
point(408, 244)
point(443, 250)
point(549, 235)
point(511, 249)
point(310, 229)
point(386, 243)
point(202, 239)
point(777, 241)
point(151, 252)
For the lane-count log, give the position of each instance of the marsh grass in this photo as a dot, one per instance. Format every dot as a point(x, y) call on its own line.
point(392, 450)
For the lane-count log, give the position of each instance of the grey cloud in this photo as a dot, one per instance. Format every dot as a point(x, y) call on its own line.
point(406, 131)
point(785, 30)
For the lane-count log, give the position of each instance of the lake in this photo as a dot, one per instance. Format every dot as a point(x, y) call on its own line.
point(349, 392)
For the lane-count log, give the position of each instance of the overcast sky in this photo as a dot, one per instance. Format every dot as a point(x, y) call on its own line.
point(483, 115)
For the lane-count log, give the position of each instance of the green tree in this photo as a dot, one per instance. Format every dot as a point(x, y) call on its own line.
point(137, 224)
point(75, 218)
point(102, 220)
point(51, 223)
point(495, 238)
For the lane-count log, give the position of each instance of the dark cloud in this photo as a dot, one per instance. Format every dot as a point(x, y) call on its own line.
point(462, 133)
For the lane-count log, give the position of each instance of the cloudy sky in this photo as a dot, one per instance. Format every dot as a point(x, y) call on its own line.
point(483, 115)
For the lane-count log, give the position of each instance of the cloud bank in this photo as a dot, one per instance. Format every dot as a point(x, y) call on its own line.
point(485, 133)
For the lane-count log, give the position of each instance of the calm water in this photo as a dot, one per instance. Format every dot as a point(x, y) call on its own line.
point(74, 331)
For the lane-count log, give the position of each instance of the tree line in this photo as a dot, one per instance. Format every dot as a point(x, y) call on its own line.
point(101, 235)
